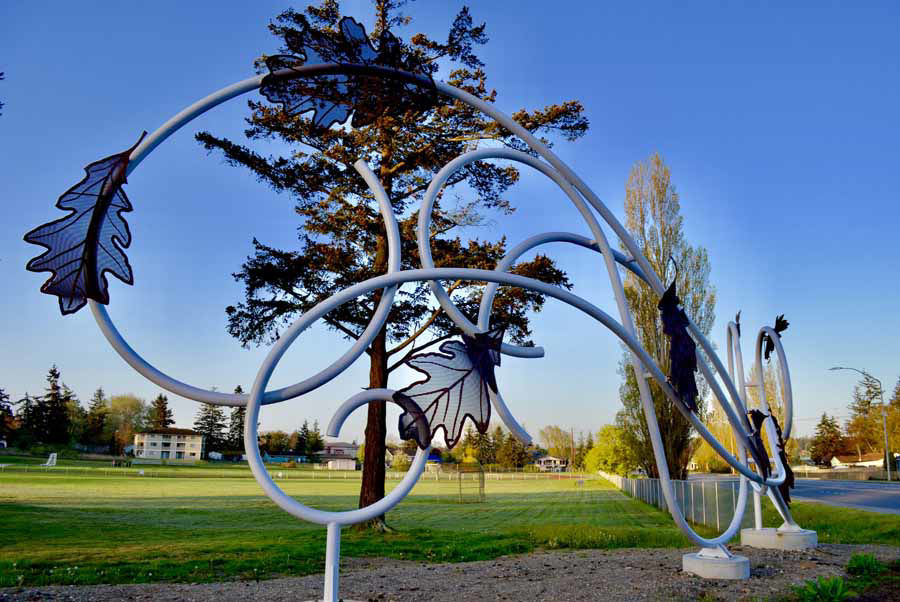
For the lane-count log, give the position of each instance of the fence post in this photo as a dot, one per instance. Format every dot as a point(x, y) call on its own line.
point(703, 498)
point(716, 489)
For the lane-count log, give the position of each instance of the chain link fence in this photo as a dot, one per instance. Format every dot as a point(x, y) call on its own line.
point(710, 502)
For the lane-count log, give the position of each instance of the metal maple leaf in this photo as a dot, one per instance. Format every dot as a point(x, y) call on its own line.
point(333, 97)
point(457, 386)
point(788, 484)
point(682, 349)
point(780, 326)
point(85, 245)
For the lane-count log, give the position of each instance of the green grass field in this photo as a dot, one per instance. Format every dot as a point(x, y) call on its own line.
point(58, 528)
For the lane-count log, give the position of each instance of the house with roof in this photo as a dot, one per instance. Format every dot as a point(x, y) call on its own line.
point(551, 464)
point(338, 455)
point(169, 444)
point(873, 460)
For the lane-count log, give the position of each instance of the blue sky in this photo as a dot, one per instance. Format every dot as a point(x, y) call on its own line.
point(779, 123)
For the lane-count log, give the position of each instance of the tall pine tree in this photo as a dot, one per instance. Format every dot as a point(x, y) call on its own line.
point(160, 413)
point(210, 421)
point(97, 415)
point(342, 238)
point(7, 419)
point(54, 406)
point(236, 424)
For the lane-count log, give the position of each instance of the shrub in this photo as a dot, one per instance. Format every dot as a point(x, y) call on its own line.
point(825, 589)
point(865, 565)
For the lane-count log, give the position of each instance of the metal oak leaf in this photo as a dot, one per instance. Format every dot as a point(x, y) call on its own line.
point(458, 384)
point(85, 245)
point(334, 97)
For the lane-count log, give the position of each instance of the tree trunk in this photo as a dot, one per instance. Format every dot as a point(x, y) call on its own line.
point(372, 488)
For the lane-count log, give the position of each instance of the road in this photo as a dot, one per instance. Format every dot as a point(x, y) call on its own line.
point(863, 495)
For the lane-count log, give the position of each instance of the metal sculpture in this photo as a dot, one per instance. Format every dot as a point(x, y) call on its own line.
point(353, 81)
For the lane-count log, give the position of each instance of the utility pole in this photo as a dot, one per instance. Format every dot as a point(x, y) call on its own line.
point(887, 451)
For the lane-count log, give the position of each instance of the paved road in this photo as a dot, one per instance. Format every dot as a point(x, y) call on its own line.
point(864, 495)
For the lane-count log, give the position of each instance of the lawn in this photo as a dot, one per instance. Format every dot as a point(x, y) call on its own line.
point(87, 529)
point(58, 528)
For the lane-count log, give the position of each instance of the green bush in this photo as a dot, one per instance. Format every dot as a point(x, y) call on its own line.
point(825, 589)
point(865, 565)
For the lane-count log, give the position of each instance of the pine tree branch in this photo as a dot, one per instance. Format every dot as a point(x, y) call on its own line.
point(434, 315)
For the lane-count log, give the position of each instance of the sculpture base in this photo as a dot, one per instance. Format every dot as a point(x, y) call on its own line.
point(734, 567)
point(776, 539)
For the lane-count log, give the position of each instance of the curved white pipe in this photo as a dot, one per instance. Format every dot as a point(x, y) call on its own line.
point(292, 506)
point(625, 331)
point(157, 376)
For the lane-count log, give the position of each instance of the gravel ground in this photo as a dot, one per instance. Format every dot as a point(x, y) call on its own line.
point(582, 575)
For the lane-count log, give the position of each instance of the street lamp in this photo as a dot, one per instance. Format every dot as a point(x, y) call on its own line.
point(887, 453)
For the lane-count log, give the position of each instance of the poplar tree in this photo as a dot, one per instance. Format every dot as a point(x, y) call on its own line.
point(653, 217)
point(342, 239)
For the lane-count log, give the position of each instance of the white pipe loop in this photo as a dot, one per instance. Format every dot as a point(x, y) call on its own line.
point(289, 504)
point(157, 376)
point(626, 330)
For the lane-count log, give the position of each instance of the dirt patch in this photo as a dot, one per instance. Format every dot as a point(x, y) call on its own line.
point(581, 575)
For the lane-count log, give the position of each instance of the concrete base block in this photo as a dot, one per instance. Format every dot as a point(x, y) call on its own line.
point(735, 567)
point(776, 539)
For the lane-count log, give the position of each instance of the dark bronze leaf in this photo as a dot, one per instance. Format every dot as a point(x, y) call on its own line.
point(85, 245)
point(334, 97)
point(682, 349)
point(780, 326)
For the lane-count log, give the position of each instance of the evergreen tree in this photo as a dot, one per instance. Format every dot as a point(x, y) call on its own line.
point(315, 442)
point(54, 406)
point(236, 424)
point(298, 443)
point(827, 442)
point(210, 421)
point(864, 428)
point(98, 412)
point(160, 414)
point(7, 419)
point(511, 453)
point(77, 415)
point(30, 421)
point(342, 238)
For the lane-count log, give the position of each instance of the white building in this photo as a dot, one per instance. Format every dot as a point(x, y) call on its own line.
point(339, 455)
point(551, 464)
point(874, 460)
point(170, 444)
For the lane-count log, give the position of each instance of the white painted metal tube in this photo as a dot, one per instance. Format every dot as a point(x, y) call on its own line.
point(332, 563)
point(153, 374)
point(490, 292)
point(288, 503)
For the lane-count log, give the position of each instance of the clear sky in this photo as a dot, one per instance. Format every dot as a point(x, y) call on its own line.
point(780, 125)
